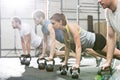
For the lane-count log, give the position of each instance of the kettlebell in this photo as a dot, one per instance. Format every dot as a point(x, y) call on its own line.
point(75, 73)
point(49, 67)
point(63, 70)
point(106, 73)
point(22, 59)
point(27, 60)
point(41, 63)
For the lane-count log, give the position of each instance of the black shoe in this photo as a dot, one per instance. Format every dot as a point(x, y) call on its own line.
point(98, 62)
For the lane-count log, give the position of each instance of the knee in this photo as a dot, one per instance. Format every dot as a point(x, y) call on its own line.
point(88, 50)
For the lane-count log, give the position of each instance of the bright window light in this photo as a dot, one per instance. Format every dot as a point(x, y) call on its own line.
point(15, 4)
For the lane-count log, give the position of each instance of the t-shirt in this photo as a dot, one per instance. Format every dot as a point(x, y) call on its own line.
point(27, 29)
point(113, 18)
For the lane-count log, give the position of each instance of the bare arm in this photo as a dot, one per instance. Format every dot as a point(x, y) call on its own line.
point(67, 47)
point(23, 46)
point(27, 40)
point(111, 42)
point(74, 29)
point(52, 40)
point(44, 44)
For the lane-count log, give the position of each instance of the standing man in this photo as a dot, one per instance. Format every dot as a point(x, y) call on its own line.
point(27, 35)
point(112, 15)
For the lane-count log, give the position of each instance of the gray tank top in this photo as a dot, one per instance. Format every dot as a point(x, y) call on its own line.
point(87, 38)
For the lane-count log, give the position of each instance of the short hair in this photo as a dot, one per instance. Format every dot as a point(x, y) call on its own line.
point(38, 14)
point(16, 19)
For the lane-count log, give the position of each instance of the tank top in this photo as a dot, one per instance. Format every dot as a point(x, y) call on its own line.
point(45, 27)
point(87, 38)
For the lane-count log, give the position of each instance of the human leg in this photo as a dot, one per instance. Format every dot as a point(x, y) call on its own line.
point(62, 53)
point(116, 53)
point(60, 50)
point(96, 55)
point(99, 44)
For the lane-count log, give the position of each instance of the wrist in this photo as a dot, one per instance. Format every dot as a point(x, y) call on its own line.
point(108, 62)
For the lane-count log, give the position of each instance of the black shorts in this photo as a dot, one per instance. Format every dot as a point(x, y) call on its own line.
point(100, 42)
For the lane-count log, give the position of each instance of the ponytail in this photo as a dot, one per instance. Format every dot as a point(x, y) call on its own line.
point(58, 17)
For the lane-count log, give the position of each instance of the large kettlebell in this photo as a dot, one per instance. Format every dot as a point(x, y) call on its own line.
point(75, 73)
point(41, 63)
point(108, 70)
point(63, 70)
point(49, 65)
point(27, 60)
point(106, 73)
point(22, 59)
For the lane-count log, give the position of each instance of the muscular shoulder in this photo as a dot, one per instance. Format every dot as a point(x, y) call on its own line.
point(73, 26)
point(107, 13)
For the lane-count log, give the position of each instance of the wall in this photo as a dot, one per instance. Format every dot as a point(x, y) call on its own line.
point(10, 37)
point(23, 8)
point(69, 8)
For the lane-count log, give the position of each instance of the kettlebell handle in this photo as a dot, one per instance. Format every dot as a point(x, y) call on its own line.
point(22, 56)
point(49, 60)
point(71, 70)
point(28, 57)
point(40, 59)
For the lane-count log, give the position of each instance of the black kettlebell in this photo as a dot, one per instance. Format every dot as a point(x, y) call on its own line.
point(106, 70)
point(22, 59)
point(49, 67)
point(106, 73)
point(27, 60)
point(63, 70)
point(75, 73)
point(41, 63)
point(99, 72)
